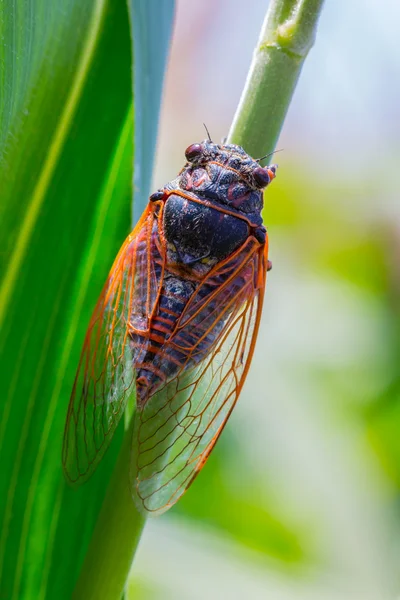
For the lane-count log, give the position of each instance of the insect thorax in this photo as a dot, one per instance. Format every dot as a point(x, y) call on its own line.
point(215, 208)
point(201, 233)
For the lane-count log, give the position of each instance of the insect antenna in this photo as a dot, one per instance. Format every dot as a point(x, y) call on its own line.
point(208, 133)
point(269, 154)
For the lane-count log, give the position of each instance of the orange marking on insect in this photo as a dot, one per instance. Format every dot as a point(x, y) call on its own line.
point(158, 352)
point(189, 181)
point(170, 312)
point(155, 337)
point(201, 180)
point(165, 320)
point(159, 327)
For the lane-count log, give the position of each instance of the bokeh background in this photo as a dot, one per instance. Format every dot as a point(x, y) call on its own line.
point(300, 499)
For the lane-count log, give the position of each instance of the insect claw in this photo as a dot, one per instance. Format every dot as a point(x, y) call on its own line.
point(269, 265)
point(156, 196)
point(260, 233)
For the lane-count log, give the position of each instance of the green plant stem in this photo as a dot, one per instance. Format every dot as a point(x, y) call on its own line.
point(115, 538)
point(287, 34)
point(286, 37)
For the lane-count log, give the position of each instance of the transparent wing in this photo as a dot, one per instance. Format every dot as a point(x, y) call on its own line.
point(178, 427)
point(105, 376)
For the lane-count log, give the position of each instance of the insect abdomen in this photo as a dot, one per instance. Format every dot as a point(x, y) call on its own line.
point(157, 361)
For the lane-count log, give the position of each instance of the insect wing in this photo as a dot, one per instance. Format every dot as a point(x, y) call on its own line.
point(105, 376)
point(178, 427)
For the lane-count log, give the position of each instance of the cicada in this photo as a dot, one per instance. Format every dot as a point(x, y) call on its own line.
point(175, 326)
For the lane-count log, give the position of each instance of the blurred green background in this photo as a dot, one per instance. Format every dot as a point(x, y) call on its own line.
point(300, 499)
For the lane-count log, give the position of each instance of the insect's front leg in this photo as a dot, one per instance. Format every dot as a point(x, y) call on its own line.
point(157, 196)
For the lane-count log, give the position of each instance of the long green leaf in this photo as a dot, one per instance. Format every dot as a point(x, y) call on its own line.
point(65, 180)
point(151, 24)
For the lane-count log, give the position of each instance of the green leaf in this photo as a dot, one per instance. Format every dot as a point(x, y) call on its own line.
point(65, 177)
point(151, 37)
point(243, 509)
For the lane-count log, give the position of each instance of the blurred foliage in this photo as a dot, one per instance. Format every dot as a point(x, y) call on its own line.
point(220, 500)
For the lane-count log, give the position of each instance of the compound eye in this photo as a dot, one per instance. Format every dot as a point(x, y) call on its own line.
point(193, 152)
point(261, 177)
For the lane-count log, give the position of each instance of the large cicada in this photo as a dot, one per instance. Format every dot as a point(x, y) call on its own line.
point(176, 325)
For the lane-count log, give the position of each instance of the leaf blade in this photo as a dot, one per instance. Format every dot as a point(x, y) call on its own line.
point(60, 239)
